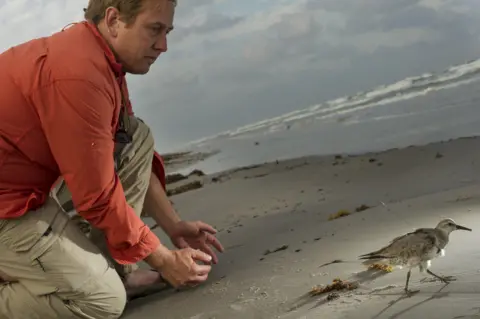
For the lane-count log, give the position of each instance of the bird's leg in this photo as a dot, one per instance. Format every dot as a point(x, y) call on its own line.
point(444, 279)
point(408, 291)
point(408, 279)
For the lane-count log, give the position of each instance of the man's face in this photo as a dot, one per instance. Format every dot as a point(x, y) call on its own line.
point(139, 44)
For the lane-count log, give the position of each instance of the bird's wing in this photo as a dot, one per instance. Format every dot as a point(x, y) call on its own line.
point(418, 230)
point(418, 242)
point(420, 239)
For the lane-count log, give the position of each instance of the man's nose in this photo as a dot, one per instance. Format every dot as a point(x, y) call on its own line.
point(161, 43)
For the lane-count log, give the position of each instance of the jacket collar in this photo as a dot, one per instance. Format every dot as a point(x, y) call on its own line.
point(116, 67)
point(112, 61)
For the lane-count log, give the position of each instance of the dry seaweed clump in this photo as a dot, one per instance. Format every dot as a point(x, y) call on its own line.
point(173, 178)
point(185, 188)
point(382, 267)
point(336, 285)
point(339, 214)
point(196, 172)
point(361, 208)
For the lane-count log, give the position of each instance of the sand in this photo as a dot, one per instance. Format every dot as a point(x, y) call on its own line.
point(289, 204)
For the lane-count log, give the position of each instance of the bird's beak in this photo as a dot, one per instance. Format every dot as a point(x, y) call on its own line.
point(463, 228)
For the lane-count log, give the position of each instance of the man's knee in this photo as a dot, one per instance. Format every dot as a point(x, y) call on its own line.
point(61, 272)
point(18, 302)
point(101, 296)
point(107, 303)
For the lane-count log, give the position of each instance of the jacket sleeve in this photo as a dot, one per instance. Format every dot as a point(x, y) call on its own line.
point(76, 117)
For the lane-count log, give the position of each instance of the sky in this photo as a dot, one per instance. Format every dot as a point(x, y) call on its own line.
point(231, 63)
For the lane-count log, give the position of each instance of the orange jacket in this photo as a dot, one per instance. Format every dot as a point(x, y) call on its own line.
point(59, 111)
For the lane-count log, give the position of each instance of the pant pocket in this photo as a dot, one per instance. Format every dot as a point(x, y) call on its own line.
point(34, 232)
point(71, 261)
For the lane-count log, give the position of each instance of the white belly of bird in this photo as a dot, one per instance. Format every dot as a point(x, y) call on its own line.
point(424, 261)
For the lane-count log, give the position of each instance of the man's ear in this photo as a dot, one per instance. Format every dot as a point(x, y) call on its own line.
point(112, 21)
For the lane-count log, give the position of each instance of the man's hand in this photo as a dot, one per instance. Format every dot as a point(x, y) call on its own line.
point(183, 234)
point(196, 235)
point(180, 267)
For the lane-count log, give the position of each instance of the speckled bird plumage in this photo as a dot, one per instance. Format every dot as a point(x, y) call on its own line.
point(415, 249)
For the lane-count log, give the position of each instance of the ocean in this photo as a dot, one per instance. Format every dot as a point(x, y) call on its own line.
point(415, 111)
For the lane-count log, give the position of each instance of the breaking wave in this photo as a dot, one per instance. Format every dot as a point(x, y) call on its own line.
point(408, 88)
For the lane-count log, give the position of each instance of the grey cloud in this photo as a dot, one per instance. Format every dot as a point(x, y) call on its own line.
point(360, 6)
point(197, 3)
point(218, 21)
point(405, 17)
point(187, 6)
point(213, 23)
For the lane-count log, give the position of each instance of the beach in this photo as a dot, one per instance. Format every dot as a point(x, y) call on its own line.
point(276, 223)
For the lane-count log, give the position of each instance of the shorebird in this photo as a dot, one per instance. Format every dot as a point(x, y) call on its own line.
point(416, 249)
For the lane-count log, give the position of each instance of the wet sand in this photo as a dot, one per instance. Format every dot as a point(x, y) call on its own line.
point(285, 206)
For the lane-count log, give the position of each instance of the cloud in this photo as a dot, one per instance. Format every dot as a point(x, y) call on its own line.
point(21, 20)
point(207, 24)
point(233, 62)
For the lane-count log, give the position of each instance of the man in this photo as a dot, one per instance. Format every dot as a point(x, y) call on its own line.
point(65, 112)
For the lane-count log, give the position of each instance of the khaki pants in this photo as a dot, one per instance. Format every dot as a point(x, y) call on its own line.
point(54, 270)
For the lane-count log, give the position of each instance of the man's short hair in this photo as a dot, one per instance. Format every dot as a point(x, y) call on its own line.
point(129, 9)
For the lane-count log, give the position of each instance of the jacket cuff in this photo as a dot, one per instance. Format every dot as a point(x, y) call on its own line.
point(148, 243)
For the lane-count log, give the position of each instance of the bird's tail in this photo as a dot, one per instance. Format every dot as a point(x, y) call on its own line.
point(374, 258)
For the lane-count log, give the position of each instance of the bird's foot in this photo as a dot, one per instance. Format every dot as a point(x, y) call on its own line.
point(447, 279)
point(444, 279)
point(409, 292)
